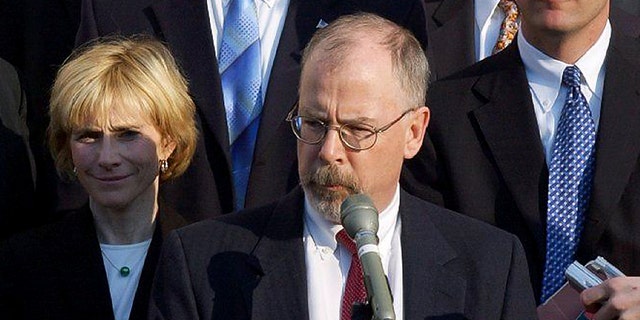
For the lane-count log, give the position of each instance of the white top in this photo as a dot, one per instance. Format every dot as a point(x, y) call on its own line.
point(271, 16)
point(488, 19)
point(328, 264)
point(123, 289)
point(545, 78)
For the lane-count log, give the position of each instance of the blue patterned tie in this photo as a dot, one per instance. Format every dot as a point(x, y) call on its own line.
point(570, 180)
point(239, 64)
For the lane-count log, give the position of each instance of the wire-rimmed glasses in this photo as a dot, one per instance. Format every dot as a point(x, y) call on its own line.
point(357, 137)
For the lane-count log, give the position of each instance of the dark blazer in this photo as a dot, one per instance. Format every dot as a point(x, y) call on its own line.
point(483, 156)
point(450, 32)
point(36, 36)
point(57, 271)
point(451, 39)
point(206, 188)
point(251, 265)
point(17, 169)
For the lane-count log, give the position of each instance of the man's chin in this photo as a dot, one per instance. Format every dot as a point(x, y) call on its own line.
point(328, 207)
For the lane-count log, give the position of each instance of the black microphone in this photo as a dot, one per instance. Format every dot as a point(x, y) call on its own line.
point(360, 219)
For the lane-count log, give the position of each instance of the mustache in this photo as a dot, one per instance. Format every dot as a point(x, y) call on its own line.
point(331, 175)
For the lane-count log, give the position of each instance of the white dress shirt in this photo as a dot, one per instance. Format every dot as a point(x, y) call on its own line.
point(545, 84)
point(271, 16)
point(328, 264)
point(488, 19)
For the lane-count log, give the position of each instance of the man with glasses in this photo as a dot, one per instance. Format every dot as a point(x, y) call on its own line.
point(360, 114)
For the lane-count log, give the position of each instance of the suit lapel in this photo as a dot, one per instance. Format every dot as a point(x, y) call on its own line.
point(450, 21)
point(508, 124)
point(166, 222)
point(82, 263)
point(282, 291)
point(617, 147)
point(184, 24)
point(428, 287)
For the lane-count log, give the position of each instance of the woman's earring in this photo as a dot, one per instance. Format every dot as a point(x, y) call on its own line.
point(75, 171)
point(164, 165)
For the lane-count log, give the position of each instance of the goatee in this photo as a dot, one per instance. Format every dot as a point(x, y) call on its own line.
point(324, 199)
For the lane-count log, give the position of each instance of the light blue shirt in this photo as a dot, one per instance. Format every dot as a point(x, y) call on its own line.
point(544, 74)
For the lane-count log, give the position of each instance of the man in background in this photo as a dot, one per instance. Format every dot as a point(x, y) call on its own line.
point(17, 167)
point(542, 140)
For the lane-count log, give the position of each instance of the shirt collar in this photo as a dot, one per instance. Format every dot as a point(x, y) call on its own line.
point(545, 73)
point(269, 3)
point(324, 232)
point(483, 10)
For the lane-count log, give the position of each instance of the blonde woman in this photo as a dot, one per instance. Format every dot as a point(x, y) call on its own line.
point(122, 122)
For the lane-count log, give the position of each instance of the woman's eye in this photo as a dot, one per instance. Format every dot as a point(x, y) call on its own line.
point(128, 134)
point(88, 137)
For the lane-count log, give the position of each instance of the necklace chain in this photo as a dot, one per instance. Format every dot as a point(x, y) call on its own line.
point(124, 270)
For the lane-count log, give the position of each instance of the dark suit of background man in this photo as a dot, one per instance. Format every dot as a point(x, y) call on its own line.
point(206, 188)
point(460, 32)
point(631, 6)
point(17, 167)
point(488, 151)
point(36, 36)
point(360, 114)
point(457, 29)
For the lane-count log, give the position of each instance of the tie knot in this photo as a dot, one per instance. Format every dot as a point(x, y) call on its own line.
point(343, 238)
point(509, 7)
point(571, 76)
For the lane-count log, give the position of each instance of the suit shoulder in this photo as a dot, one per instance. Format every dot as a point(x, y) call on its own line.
point(459, 227)
point(229, 227)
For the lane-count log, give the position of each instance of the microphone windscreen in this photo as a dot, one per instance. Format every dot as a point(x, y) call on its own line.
point(358, 213)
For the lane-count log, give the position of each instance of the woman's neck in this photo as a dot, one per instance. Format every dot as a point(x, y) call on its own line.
point(132, 224)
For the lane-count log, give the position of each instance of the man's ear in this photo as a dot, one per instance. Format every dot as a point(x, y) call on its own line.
point(416, 132)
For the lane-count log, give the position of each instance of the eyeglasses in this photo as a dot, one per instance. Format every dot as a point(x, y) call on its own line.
point(357, 137)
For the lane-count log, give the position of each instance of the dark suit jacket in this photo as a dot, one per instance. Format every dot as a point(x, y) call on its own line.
point(484, 158)
point(450, 32)
point(57, 271)
point(36, 36)
point(251, 265)
point(451, 39)
point(206, 188)
point(16, 162)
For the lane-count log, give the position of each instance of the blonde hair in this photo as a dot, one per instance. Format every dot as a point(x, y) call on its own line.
point(123, 73)
point(408, 58)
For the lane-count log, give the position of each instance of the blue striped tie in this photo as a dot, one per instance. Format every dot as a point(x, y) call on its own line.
point(570, 180)
point(239, 64)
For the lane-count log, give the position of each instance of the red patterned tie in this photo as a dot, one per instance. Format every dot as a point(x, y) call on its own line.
point(509, 26)
point(354, 291)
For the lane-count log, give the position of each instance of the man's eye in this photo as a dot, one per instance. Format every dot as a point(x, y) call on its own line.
point(359, 132)
point(313, 125)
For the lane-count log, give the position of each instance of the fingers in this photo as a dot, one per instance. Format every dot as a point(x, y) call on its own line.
point(616, 298)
